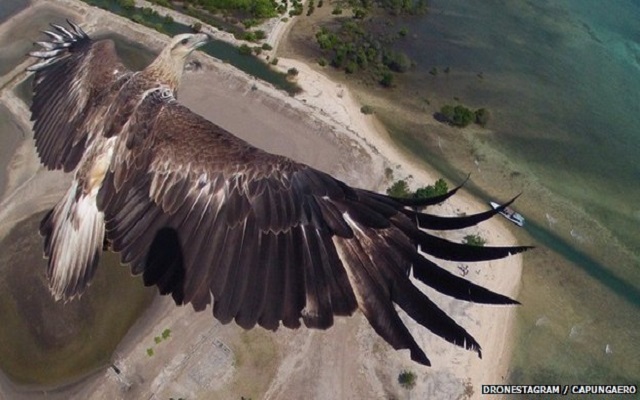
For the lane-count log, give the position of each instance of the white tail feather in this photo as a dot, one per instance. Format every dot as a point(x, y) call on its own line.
point(74, 231)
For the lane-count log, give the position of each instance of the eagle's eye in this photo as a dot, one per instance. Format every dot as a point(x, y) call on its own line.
point(184, 41)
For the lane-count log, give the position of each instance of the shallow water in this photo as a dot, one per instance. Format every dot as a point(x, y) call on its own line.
point(10, 137)
point(51, 350)
point(19, 41)
point(562, 83)
point(46, 342)
point(10, 7)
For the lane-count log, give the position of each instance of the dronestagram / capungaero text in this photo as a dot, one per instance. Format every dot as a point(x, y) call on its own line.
point(559, 389)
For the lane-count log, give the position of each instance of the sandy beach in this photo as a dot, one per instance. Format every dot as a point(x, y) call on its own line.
point(324, 127)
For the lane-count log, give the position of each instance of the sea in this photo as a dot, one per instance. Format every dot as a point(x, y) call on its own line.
point(561, 80)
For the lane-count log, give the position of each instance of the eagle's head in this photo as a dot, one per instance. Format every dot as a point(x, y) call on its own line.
point(168, 66)
point(182, 45)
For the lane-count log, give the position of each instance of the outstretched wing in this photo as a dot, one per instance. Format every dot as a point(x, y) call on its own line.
point(210, 219)
point(72, 80)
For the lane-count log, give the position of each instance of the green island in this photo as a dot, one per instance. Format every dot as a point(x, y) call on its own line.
point(462, 116)
point(362, 44)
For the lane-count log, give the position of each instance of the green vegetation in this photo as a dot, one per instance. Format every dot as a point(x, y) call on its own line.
point(244, 50)
point(246, 8)
point(400, 188)
point(215, 48)
point(400, 7)
point(407, 379)
point(474, 240)
point(166, 334)
point(461, 116)
point(354, 49)
point(437, 189)
point(366, 110)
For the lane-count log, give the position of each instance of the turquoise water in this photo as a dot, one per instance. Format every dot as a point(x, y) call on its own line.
point(562, 82)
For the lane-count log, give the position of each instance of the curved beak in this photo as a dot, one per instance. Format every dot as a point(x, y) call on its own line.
point(200, 39)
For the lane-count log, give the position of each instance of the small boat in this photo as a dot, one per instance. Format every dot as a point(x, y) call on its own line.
point(509, 214)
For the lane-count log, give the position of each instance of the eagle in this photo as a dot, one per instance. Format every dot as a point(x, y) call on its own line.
point(213, 221)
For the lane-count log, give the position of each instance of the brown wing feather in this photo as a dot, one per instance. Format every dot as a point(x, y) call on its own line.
point(266, 240)
point(73, 84)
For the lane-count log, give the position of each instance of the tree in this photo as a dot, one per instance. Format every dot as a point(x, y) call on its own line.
point(245, 50)
point(397, 61)
point(437, 189)
point(407, 379)
point(399, 188)
point(387, 79)
point(458, 115)
point(128, 4)
point(474, 240)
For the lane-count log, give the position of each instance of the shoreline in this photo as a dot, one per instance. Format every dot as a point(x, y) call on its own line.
point(332, 103)
point(498, 338)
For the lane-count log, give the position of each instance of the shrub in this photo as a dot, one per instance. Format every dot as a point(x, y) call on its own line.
point(400, 189)
point(407, 379)
point(458, 115)
point(474, 240)
point(387, 79)
point(397, 61)
point(245, 50)
point(292, 72)
point(366, 110)
point(196, 27)
point(437, 189)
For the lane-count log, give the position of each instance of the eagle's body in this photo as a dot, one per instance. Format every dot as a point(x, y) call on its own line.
point(212, 220)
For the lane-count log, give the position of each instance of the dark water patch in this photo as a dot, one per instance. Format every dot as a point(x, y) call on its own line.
point(15, 44)
point(23, 90)
point(47, 342)
point(11, 7)
point(11, 135)
point(602, 274)
point(216, 48)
